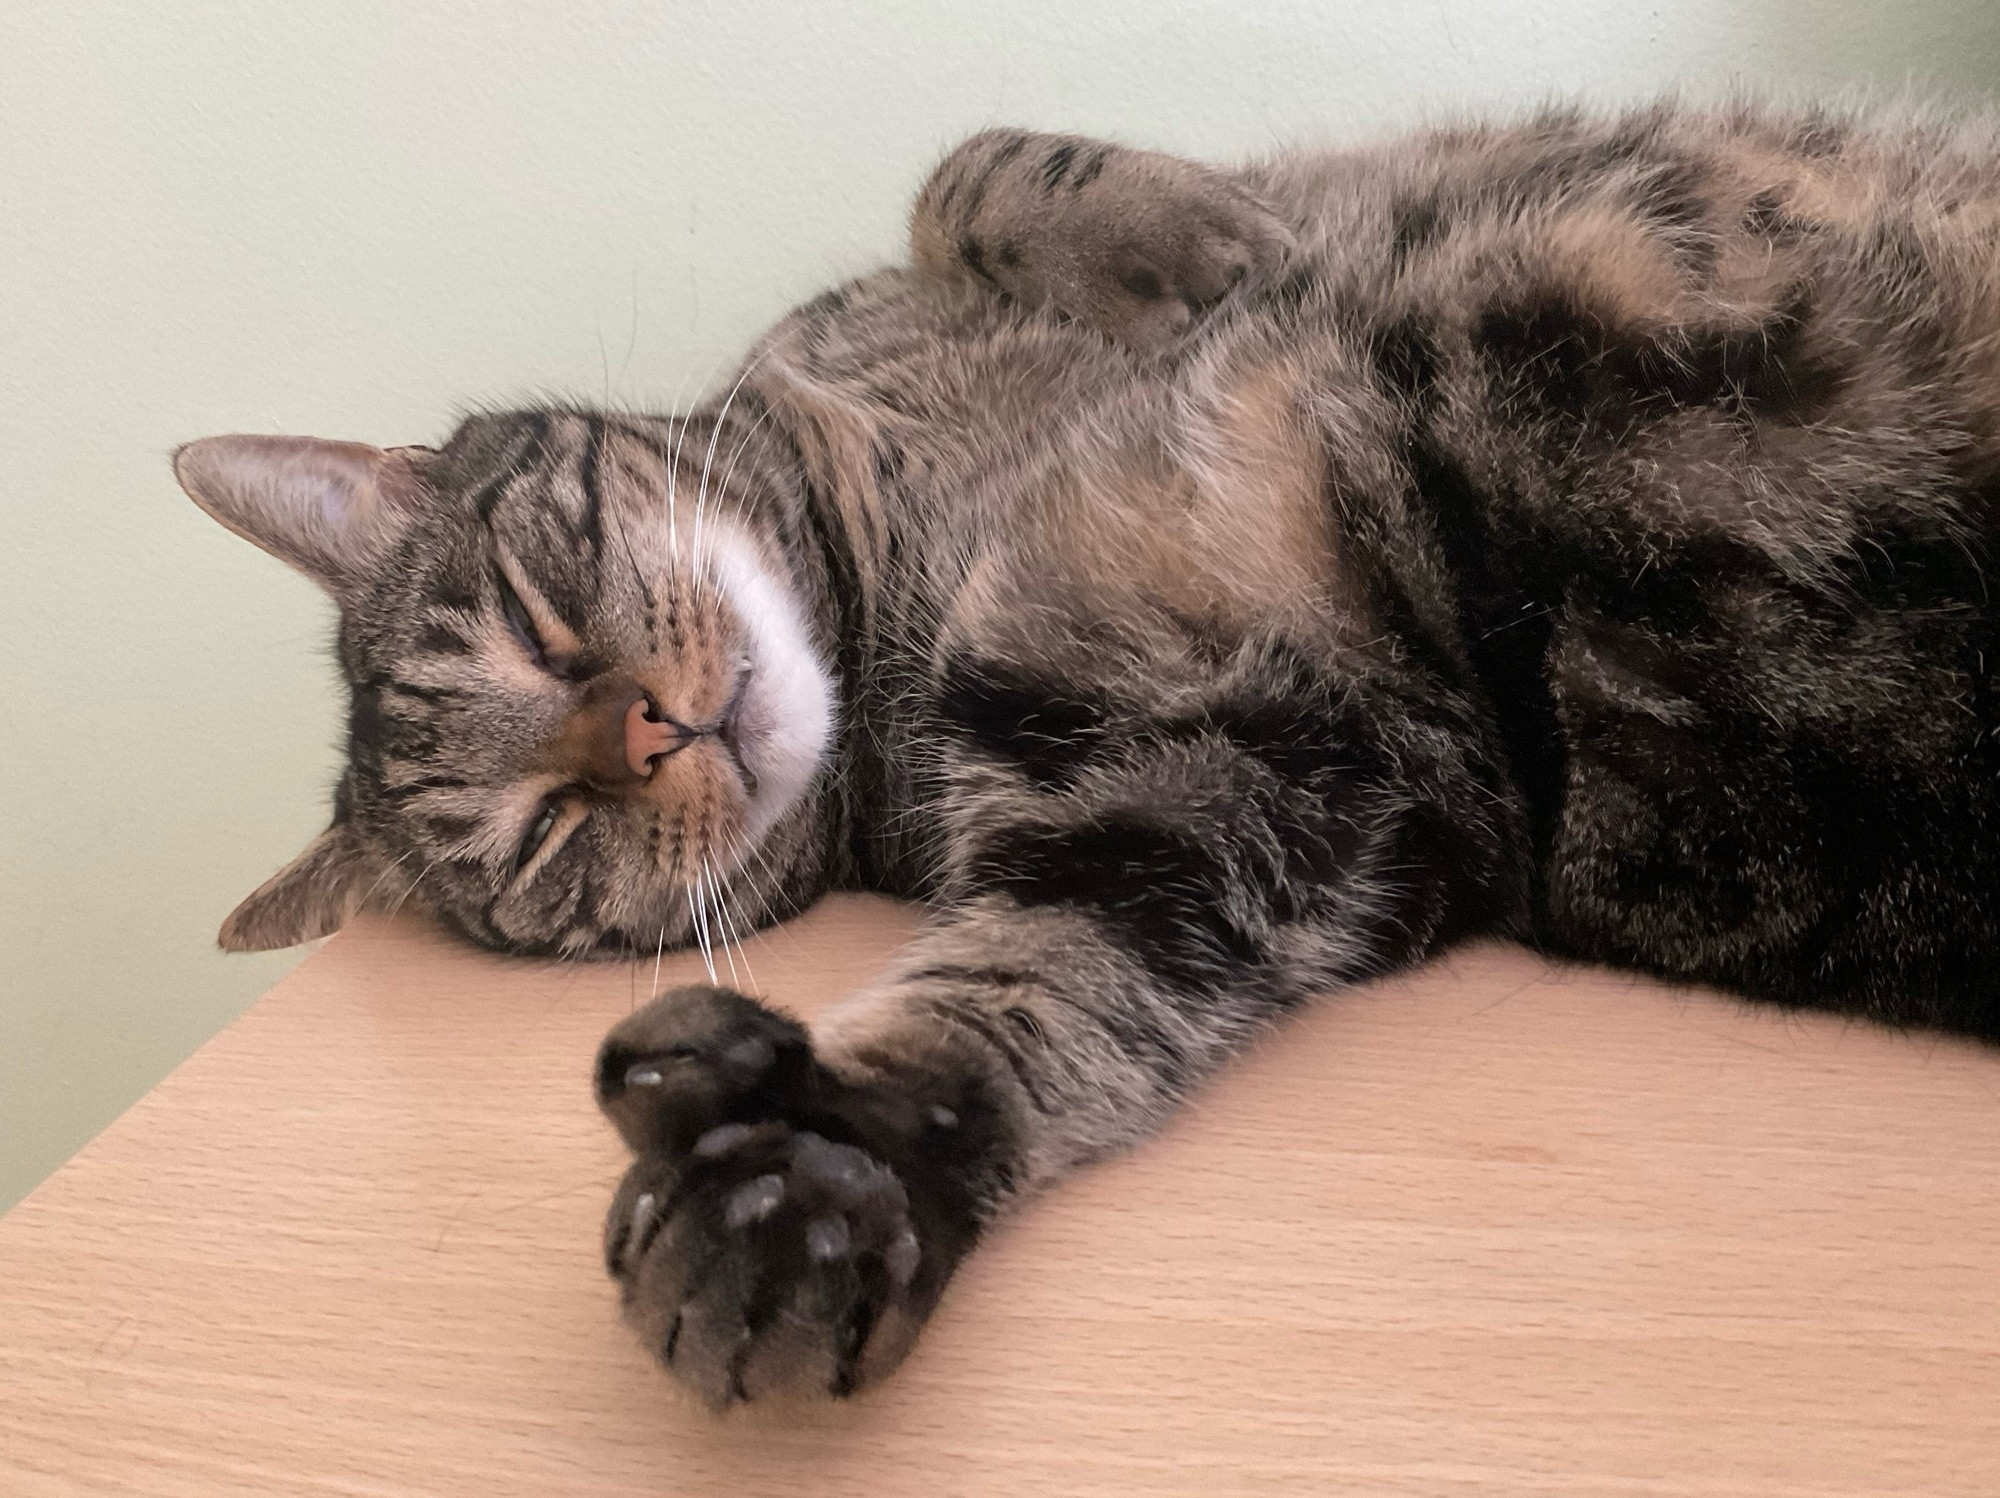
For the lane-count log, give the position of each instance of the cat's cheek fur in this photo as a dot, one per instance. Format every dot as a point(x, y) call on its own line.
point(786, 718)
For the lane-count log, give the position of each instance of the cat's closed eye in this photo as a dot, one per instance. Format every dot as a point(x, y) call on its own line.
point(518, 618)
point(538, 832)
point(558, 659)
point(555, 818)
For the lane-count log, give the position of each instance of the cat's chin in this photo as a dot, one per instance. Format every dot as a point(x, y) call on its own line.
point(785, 720)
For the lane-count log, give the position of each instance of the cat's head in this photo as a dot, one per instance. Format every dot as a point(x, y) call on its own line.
point(591, 700)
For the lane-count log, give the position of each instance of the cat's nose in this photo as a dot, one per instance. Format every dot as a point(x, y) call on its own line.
point(616, 735)
point(647, 737)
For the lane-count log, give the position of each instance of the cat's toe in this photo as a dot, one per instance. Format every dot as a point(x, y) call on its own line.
point(1191, 250)
point(696, 1059)
point(1234, 240)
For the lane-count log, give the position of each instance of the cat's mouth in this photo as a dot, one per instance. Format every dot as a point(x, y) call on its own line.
point(729, 731)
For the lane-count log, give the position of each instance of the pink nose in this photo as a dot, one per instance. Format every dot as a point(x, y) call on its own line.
point(644, 738)
point(614, 736)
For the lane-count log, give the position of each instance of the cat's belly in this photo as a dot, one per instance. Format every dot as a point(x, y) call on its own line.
point(1218, 509)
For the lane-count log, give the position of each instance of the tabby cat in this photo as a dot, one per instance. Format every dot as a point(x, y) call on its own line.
point(1204, 588)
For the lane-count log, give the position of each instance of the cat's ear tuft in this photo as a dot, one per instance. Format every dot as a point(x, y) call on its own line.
point(331, 509)
point(310, 897)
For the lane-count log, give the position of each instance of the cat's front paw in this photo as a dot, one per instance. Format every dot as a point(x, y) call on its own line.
point(759, 1242)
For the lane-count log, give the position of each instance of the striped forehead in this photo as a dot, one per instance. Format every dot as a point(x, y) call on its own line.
point(575, 483)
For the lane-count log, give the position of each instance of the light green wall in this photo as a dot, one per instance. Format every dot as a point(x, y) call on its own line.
point(357, 217)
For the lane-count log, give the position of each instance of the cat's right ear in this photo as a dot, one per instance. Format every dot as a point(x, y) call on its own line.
point(310, 897)
point(331, 509)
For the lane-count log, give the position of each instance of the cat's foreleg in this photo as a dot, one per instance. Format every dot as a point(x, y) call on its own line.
point(1128, 912)
point(1135, 243)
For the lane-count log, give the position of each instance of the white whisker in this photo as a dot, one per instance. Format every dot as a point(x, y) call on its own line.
point(730, 928)
point(701, 932)
point(369, 893)
point(674, 463)
point(742, 851)
point(736, 453)
point(659, 954)
point(411, 888)
point(721, 919)
point(708, 461)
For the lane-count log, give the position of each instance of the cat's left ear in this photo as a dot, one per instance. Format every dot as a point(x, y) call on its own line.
point(310, 897)
point(331, 509)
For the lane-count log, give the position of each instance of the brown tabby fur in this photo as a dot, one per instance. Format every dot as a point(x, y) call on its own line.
point(1233, 584)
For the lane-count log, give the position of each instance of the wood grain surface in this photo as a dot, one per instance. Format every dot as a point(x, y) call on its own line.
point(1490, 1228)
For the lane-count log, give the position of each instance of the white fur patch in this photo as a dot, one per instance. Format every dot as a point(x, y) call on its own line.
point(786, 719)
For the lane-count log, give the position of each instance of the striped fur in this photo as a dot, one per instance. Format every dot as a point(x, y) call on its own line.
point(1239, 583)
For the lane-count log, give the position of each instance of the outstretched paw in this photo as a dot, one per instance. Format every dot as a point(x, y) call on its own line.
point(759, 1241)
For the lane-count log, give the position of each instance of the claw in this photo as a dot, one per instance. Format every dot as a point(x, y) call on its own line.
point(753, 1201)
point(840, 1166)
point(827, 1238)
point(721, 1139)
point(750, 1058)
point(900, 1258)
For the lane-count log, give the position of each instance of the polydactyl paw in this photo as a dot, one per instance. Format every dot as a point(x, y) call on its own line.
point(759, 1243)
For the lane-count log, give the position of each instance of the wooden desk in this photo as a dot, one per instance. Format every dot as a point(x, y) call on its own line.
point(1488, 1229)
